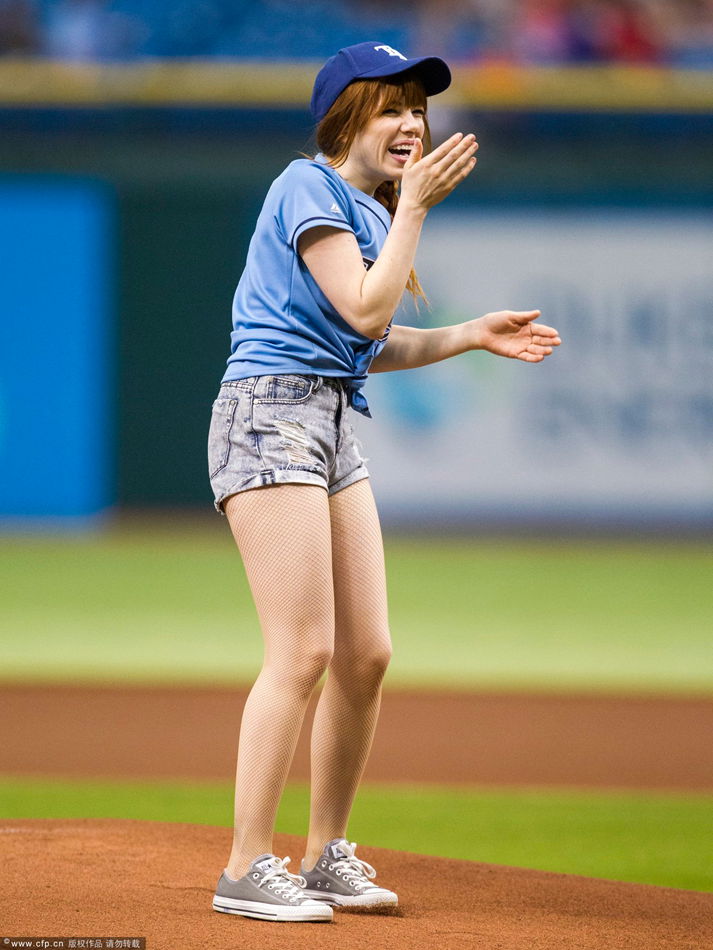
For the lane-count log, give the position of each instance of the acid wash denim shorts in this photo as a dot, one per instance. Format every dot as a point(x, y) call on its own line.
point(269, 430)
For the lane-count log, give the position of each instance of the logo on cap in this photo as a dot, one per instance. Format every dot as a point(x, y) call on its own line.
point(391, 51)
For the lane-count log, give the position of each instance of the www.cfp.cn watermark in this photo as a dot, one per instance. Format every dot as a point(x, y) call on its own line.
point(73, 943)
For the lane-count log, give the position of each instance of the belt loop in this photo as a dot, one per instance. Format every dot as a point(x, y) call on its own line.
point(318, 383)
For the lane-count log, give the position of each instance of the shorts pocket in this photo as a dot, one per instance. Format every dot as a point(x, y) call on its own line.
point(283, 389)
point(221, 423)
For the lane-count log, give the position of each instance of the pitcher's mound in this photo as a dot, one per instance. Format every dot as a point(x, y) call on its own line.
point(93, 879)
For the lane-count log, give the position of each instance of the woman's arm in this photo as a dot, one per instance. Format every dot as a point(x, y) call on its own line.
point(509, 333)
point(367, 300)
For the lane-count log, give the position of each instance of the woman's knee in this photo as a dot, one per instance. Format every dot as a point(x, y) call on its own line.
point(381, 656)
point(319, 656)
point(304, 664)
point(368, 664)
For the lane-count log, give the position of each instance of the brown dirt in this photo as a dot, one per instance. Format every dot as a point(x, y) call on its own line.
point(449, 738)
point(91, 879)
point(122, 878)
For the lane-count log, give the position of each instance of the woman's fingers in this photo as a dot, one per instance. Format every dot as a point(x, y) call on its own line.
point(523, 317)
point(430, 178)
point(546, 333)
point(450, 151)
point(465, 167)
point(461, 151)
point(455, 171)
point(444, 148)
point(453, 166)
point(415, 155)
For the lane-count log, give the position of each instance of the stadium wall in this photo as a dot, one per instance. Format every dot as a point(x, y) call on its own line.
point(186, 186)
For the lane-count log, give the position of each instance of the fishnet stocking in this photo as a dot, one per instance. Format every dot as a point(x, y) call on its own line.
point(348, 708)
point(283, 534)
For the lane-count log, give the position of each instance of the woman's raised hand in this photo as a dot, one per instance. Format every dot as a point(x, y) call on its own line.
point(428, 180)
point(513, 333)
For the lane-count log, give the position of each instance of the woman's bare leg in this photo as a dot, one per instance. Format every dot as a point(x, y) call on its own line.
point(283, 533)
point(348, 708)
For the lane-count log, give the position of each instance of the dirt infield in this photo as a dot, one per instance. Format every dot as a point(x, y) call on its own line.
point(447, 738)
point(94, 879)
point(101, 878)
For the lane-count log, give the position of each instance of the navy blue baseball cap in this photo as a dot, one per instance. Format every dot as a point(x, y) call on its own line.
point(372, 61)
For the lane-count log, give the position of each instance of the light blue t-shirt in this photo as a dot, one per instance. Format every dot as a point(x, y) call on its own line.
point(282, 322)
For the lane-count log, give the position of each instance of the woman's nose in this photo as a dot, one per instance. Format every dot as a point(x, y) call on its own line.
point(410, 122)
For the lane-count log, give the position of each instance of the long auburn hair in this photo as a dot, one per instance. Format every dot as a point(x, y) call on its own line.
point(360, 102)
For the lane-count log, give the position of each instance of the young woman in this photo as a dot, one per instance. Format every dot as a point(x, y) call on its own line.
point(332, 254)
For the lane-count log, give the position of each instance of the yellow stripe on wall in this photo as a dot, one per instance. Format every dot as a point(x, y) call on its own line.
point(28, 83)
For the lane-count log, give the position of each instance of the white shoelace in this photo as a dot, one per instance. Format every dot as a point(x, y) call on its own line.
point(285, 884)
point(354, 870)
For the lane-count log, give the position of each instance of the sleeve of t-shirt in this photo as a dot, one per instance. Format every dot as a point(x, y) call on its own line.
point(310, 198)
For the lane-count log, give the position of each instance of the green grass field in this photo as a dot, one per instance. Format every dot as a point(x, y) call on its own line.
point(627, 836)
point(171, 604)
point(164, 604)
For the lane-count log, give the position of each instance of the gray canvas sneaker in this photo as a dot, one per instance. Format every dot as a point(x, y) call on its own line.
point(341, 878)
point(269, 892)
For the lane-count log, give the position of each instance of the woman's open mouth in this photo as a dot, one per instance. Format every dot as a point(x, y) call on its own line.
point(401, 153)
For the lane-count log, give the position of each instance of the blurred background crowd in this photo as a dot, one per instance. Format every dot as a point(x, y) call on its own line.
point(466, 31)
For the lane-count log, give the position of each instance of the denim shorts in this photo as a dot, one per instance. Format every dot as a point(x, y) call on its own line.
point(268, 430)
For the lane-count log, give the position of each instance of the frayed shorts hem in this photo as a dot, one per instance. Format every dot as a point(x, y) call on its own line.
point(286, 476)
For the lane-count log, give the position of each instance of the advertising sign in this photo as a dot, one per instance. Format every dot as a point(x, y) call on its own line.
point(616, 427)
point(55, 370)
